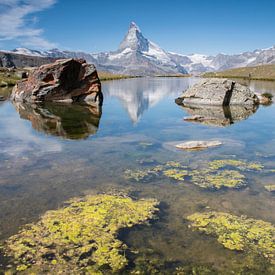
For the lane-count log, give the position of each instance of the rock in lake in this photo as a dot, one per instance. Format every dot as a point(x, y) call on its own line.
point(198, 144)
point(265, 98)
point(217, 91)
point(67, 80)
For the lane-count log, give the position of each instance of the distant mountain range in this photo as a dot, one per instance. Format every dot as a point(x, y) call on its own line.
point(137, 55)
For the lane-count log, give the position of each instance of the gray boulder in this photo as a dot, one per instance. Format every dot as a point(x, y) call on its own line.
point(218, 91)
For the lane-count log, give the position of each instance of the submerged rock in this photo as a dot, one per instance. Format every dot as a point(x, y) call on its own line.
point(80, 238)
point(217, 91)
point(198, 144)
point(64, 80)
point(238, 233)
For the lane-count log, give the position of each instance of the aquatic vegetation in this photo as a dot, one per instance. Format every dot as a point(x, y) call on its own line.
point(218, 180)
point(175, 174)
point(270, 188)
point(173, 164)
point(81, 237)
point(170, 169)
point(239, 164)
point(216, 175)
point(138, 175)
point(238, 233)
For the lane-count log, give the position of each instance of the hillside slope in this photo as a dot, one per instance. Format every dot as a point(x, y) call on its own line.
point(261, 72)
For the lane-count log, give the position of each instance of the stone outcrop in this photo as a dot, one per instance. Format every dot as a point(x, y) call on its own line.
point(70, 80)
point(198, 144)
point(217, 91)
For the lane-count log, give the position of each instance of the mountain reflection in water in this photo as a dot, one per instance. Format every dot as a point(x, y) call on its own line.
point(71, 121)
point(140, 94)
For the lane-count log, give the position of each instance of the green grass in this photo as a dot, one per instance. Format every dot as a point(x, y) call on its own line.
point(174, 75)
point(261, 72)
point(103, 76)
point(8, 78)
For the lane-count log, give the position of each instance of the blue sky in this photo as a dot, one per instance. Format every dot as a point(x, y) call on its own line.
point(181, 26)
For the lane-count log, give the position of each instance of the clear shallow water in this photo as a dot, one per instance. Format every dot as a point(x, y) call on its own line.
point(52, 153)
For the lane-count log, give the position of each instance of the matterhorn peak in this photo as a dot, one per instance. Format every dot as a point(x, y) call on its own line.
point(133, 25)
point(134, 39)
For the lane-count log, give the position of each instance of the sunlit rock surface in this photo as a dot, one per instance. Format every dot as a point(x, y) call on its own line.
point(64, 80)
point(198, 144)
point(218, 91)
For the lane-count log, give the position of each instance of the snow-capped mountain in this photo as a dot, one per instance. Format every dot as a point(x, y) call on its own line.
point(137, 55)
point(199, 63)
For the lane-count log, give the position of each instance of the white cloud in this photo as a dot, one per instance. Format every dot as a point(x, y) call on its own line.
point(18, 23)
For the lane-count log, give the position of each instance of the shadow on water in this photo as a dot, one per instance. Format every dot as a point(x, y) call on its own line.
point(70, 121)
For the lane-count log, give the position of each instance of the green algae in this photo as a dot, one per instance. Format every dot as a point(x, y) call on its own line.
point(238, 232)
point(175, 174)
point(139, 175)
point(170, 169)
point(218, 175)
point(81, 237)
point(239, 164)
point(218, 180)
point(222, 173)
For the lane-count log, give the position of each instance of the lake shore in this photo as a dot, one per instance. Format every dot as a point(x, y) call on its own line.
point(262, 72)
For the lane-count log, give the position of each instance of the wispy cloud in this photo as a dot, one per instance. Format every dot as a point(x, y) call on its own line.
point(17, 22)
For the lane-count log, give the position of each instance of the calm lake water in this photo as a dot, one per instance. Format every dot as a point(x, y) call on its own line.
point(52, 153)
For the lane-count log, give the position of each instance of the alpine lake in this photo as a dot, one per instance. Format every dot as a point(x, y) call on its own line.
point(209, 202)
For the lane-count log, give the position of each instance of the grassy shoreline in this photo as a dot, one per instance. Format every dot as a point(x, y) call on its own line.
point(261, 72)
point(105, 76)
point(8, 78)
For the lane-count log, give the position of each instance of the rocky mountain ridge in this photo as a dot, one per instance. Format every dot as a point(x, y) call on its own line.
point(137, 55)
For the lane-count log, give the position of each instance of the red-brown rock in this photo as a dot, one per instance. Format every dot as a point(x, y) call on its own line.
point(64, 80)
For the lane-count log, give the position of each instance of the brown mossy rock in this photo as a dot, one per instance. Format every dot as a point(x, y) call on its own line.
point(64, 80)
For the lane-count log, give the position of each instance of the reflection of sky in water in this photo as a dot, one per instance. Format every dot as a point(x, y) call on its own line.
point(18, 137)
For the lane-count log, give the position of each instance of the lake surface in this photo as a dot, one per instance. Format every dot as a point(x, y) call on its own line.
point(52, 153)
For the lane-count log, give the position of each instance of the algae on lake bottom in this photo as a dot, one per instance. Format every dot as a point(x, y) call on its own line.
point(219, 179)
point(238, 164)
point(214, 176)
point(81, 237)
point(238, 233)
